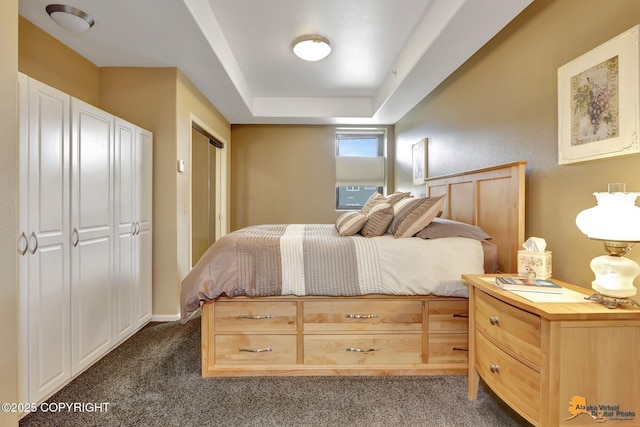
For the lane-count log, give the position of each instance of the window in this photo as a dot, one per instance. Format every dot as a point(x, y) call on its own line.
point(359, 166)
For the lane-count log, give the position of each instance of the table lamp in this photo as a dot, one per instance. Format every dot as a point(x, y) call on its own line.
point(616, 221)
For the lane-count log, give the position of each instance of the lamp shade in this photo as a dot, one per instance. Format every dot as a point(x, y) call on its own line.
point(351, 170)
point(615, 218)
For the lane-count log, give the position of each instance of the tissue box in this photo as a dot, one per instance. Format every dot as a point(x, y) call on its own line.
point(539, 262)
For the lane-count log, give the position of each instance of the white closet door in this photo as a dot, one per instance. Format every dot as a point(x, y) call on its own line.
point(92, 233)
point(44, 220)
point(144, 196)
point(126, 274)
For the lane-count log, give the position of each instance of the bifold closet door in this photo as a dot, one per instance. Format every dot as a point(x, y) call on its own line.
point(44, 240)
point(133, 209)
point(92, 233)
point(126, 264)
point(144, 198)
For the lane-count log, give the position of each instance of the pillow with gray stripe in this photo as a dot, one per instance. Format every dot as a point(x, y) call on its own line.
point(349, 223)
point(414, 214)
point(377, 198)
point(378, 220)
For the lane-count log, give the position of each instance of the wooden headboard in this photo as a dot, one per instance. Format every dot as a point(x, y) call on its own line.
point(491, 198)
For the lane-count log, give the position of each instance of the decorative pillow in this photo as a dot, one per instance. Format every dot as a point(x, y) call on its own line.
point(414, 215)
point(377, 198)
point(378, 220)
point(394, 198)
point(374, 199)
point(441, 227)
point(349, 223)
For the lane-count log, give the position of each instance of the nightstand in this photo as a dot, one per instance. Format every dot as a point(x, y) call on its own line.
point(569, 363)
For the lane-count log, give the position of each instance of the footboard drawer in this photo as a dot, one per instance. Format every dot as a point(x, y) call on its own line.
point(251, 316)
point(362, 349)
point(373, 315)
point(449, 316)
point(255, 349)
point(448, 348)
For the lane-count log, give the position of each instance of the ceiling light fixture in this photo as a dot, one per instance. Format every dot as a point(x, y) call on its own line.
point(311, 47)
point(70, 18)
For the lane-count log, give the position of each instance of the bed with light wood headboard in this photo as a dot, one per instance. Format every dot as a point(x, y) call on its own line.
point(420, 335)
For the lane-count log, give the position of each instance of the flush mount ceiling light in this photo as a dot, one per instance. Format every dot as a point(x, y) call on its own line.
point(70, 18)
point(311, 47)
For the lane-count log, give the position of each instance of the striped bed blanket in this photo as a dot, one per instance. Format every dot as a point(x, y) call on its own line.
point(313, 259)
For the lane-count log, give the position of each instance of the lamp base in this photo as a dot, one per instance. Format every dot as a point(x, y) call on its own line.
point(614, 276)
point(612, 302)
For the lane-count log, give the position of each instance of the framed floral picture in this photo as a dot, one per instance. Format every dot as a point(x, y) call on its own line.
point(598, 102)
point(419, 161)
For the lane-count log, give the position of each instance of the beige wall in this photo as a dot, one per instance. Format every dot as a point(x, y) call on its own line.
point(193, 106)
point(286, 174)
point(501, 106)
point(161, 100)
point(46, 59)
point(147, 97)
point(8, 208)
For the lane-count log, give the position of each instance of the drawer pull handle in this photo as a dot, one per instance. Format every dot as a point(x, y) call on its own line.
point(465, 315)
point(455, 348)
point(494, 320)
point(362, 316)
point(494, 368)
point(258, 317)
point(256, 350)
point(362, 350)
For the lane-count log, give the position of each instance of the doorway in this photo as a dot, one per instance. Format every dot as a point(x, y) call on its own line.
point(205, 190)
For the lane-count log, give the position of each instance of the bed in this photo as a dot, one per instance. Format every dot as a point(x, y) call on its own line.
point(381, 317)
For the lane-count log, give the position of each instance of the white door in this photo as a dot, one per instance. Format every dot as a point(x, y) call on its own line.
point(92, 233)
point(125, 275)
point(144, 189)
point(44, 240)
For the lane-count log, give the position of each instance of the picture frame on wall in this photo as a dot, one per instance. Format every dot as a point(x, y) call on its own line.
point(419, 161)
point(598, 102)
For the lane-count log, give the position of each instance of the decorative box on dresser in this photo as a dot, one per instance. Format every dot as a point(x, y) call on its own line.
point(555, 363)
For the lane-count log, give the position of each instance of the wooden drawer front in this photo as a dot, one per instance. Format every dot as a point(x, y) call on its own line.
point(384, 315)
point(255, 349)
point(448, 348)
point(515, 329)
point(249, 316)
point(513, 381)
point(449, 316)
point(362, 349)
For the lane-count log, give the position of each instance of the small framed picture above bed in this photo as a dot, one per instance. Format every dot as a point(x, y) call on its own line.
point(419, 152)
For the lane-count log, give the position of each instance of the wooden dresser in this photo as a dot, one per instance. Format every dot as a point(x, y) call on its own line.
point(555, 363)
point(376, 335)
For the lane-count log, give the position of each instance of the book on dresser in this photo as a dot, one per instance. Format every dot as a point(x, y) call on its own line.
point(528, 285)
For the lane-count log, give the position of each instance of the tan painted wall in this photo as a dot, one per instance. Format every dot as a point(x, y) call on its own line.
point(147, 97)
point(286, 174)
point(192, 105)
point(46, 59)
point(501, 105)
point(282, 174)
point(9, 208)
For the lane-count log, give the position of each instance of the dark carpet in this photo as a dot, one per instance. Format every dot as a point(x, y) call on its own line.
point(153, 379)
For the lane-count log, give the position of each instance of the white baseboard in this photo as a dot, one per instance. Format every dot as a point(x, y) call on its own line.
point(165, 317)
